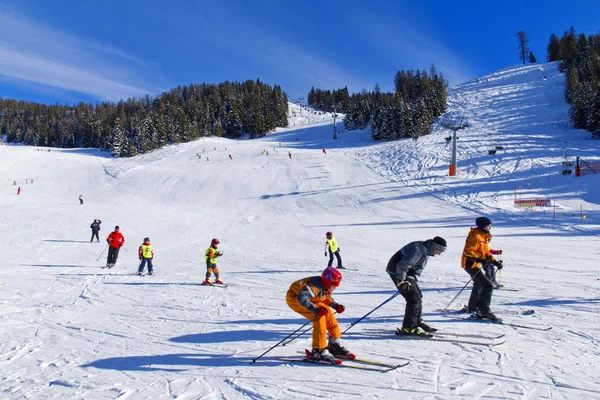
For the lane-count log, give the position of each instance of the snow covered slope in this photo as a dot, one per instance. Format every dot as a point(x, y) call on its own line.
point(71, 330)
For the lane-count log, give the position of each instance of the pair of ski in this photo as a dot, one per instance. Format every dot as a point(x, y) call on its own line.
point(464, 311)
point(353, 363)
point(443, 336)
point(109, 266)
point(214, 284)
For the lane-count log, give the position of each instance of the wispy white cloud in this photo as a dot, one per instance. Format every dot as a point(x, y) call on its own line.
point(290, 62)
point(40, 54)
point(406, 44)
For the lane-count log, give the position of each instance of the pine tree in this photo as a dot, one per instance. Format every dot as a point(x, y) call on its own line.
point(593, 123)
point(553, 49)
point(523, 42)
point(532, 59)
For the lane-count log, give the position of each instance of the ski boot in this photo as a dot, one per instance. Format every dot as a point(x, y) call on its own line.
point(151, 273)
point(207, 282)
point(140, 273)
point(340, 267)
point(425, 327)
point(321, 355)
point(413, 332)
point(467, 310)
point(220, 282)
point(487, 316)
point(339, 351)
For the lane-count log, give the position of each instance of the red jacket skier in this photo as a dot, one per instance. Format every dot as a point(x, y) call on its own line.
point(115, 241)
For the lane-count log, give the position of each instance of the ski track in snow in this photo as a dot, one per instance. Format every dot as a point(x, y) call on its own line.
point(72, 330)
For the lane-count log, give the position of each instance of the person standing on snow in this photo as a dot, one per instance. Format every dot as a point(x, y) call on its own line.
point(324, 152)
point(311, 298)
point(80, 199)
point(475, 257)
point(332, 247)
point(404, 267)
point(95, 226)
point(115, 241)
point(211, 255)
point(146, 255)
point(19, 190)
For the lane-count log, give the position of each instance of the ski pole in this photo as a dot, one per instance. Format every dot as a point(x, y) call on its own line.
point(370, 312)
point(254, 360)
point(102, 253)
point(464, 287)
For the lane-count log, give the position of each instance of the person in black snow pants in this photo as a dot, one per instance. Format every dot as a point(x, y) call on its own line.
point(404, 267)
point(95, 226)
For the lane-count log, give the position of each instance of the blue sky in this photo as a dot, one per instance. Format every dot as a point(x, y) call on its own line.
point(71, 51)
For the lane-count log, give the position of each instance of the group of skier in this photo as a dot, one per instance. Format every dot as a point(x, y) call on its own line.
point(311, 297)
point(116, 240)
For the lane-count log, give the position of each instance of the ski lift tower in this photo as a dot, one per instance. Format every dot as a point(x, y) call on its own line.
point(454, 124)
point(334, 116)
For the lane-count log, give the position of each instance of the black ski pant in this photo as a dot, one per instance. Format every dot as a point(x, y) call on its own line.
point(414, 303)
point(96, 234)
point(113, 254)
point(481, 295)
point(337, 255)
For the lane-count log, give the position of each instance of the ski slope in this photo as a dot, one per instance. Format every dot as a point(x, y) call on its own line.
point(71, 330)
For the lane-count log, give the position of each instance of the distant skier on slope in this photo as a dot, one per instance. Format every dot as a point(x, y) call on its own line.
point(210, 256)
point(475, 256)
point(311, 298)
point(404, 267)
point(146, 255)
point(95, 227)
point(115, 241)
point(332, 247)
point(19, 190)
point(80, 199)
point(324, 152)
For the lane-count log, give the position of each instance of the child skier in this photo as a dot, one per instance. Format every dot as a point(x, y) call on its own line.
point(477, 255)
point(146, 255)
point(333, 248)
point(211, 255)
point(115, 241)
point(311, 298)
point(404, 267)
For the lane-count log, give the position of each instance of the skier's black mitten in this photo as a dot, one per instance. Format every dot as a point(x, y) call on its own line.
point(498, 264)
point(339, 250)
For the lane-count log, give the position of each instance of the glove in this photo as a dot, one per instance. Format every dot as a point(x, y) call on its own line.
point(498, 264)
point(325, 254)
point(321, 312)
point(489, 260)
point(121, 245)
point(404, 286)
point(219, 254)
point(339, 308)
point(140, 258)
point(496, 252)
point(340, 250)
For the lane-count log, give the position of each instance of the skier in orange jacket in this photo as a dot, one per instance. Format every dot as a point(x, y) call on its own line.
point(311, 298)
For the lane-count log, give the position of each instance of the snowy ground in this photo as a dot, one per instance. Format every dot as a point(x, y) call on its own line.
point(71, 330)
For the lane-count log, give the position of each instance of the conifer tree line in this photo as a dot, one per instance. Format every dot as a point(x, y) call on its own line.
point(580, 56)
point(409, 112)
point(134, 126)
